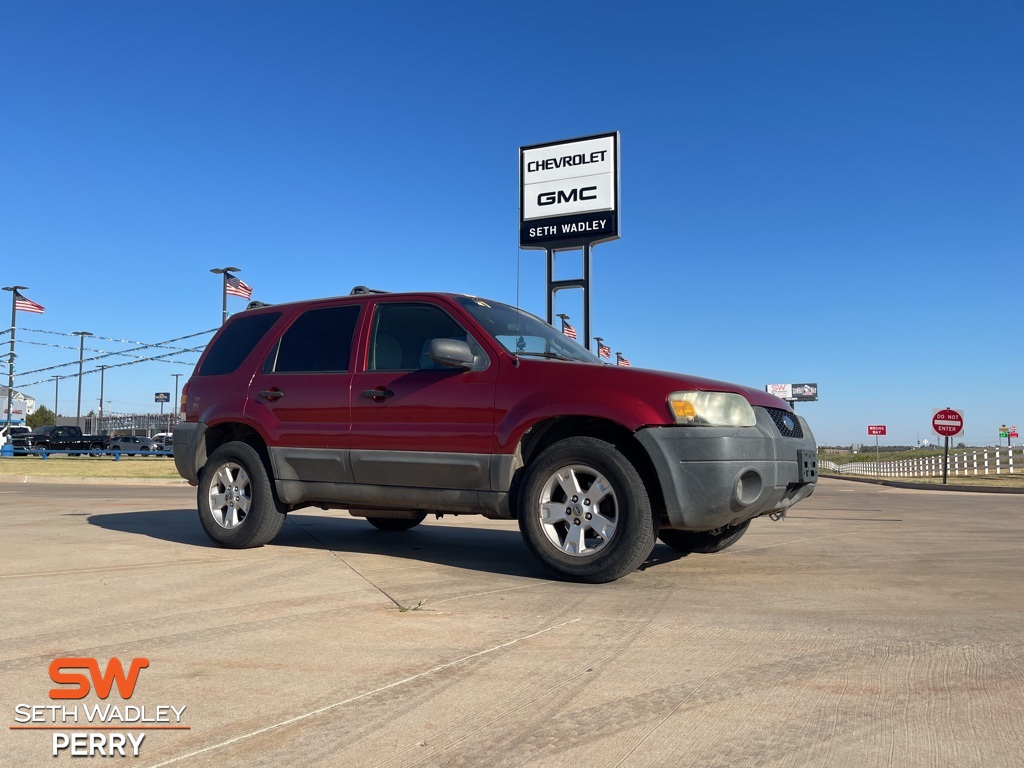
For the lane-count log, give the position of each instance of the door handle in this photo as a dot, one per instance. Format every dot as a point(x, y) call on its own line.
point(272, 394)
point(378, 395)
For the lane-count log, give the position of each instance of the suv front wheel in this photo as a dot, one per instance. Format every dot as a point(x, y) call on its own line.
point(584, 511)
point(236, 503)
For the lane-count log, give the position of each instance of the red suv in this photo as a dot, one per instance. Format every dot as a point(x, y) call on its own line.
point(395, 406)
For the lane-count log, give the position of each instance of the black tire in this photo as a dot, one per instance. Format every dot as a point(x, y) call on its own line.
point(396, 523)
point(703, 542)
point(599, 539)
point(236, 502)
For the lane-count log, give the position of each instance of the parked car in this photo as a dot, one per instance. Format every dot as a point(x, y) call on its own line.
point(396, 406)
point(133, 444)
point(164, 441)
point(54, 438)
point(14, 430)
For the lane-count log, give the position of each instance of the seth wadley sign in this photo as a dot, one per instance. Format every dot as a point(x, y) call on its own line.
point(569, 192)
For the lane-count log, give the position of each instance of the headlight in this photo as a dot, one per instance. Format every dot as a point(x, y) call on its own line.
point(715, 409)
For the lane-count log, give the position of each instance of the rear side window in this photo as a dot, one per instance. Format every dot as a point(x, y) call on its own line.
point(235, 343)
point(320, 341)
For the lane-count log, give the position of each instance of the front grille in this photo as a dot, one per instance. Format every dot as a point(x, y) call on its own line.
point(780, 417)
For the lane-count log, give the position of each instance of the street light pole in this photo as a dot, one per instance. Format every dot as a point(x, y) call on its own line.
point(103, 369)
point(10, 361)
point(176, 408)
point(226, 272)
point(81, 349)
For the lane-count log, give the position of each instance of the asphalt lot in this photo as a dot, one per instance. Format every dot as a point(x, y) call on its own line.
point(874, 626)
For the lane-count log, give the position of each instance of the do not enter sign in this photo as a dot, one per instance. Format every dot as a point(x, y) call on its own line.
point(947, 422)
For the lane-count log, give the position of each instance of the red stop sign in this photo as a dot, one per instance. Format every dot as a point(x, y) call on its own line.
point(948, 422)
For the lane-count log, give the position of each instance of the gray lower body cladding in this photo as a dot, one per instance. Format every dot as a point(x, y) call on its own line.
point(429, 481)
point(189, 449)
point(718, 476)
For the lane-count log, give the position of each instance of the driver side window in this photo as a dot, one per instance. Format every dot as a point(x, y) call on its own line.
point(402, 333)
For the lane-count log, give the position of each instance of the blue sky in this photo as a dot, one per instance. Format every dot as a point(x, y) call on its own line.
point(811, 192)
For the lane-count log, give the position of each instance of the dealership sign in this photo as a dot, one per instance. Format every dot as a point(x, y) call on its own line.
point(17, 412)
point(794, 392)
point(569, 192)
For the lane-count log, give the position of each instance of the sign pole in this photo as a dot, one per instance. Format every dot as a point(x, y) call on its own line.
point(551, 279)
point(945, 462)
point(876, 430)
point(587, 263)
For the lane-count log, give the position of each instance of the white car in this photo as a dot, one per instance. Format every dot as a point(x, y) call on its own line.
point(16, 429)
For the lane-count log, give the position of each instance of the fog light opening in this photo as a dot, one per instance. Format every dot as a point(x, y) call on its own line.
point(748, 487)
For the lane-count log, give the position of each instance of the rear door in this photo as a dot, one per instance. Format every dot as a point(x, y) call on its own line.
point(416, 423)
point(300, 395)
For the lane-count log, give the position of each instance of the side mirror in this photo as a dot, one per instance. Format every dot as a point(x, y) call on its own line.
point(452, 353)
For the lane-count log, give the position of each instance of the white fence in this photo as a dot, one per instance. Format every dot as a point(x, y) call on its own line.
point(990, 461)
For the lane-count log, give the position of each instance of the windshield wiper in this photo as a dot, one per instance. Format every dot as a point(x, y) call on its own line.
point(549, 355)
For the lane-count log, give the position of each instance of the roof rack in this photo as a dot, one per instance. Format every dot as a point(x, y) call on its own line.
point(362, 290)
point(256, 304)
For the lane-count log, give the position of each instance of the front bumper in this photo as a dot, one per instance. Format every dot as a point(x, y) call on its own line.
point(719, 476)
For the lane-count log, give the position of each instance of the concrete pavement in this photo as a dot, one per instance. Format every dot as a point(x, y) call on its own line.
point(874, 626)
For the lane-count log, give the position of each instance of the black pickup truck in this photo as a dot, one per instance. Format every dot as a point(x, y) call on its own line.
point(59, 439)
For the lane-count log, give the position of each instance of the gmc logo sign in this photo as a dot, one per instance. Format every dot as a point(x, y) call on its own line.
point(572, 196)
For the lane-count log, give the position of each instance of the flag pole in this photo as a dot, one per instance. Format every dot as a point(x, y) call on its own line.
point(226, 272)
point(10, 361)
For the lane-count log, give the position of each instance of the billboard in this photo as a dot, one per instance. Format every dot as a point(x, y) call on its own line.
point(569, 192)
point(807, 392)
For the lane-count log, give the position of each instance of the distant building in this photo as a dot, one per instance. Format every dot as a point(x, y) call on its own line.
point(835, 449)
point(22, 406)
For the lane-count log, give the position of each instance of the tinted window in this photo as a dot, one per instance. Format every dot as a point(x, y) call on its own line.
point(402, 334)
point(320, 340)
point(235, 343)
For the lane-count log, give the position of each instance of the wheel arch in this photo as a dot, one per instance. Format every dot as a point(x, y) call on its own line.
point(549, 431)
point(225, 432)
point(217, 435)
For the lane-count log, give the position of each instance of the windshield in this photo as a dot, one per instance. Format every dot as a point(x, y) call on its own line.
point(522, 333)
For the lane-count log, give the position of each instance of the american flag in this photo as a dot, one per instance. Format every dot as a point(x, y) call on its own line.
point(235, 286)
point(27, 305)
point(620, 360)
point(603, 350)
point(567, 329)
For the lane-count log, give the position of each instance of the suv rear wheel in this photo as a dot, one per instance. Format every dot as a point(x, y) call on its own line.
point(236, 503)
point(584, 511)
